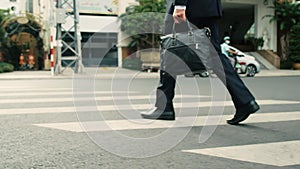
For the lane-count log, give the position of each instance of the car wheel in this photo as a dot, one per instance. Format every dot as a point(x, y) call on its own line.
point(204, 74)
point(251, 70)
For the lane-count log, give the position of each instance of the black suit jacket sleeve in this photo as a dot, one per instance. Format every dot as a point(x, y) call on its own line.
point(199, 8)
point(181, 2)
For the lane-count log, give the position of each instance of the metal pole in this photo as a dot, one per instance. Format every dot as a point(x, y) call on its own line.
point(79, 66)
point(58, 66)
point(68, 44)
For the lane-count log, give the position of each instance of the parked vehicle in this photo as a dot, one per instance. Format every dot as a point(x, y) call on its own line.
point(248, 64)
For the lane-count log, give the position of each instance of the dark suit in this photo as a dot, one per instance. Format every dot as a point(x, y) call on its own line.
point(202, 13)
point(201, 8)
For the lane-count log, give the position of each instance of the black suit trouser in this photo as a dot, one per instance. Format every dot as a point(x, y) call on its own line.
point(240, 94)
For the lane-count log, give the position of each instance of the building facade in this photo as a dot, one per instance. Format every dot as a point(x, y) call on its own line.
point(100, 28)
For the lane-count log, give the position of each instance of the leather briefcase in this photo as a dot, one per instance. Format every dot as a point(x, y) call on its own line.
point(186, 52)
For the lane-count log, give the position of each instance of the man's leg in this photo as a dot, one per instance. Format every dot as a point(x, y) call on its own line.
point(242, 98)
point(223, 68)
point(164, 93)
point(164, 109)
point(166, 89)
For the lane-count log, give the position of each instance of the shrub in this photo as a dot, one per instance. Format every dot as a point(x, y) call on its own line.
point(287, 14)
point(294, 46)
point(6, 67)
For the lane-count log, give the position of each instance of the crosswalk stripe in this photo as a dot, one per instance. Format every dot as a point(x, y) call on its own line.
point(63, 93)
point(30, 89)
point(133, 107)
point(103, 98)
point(21, 87)
point(155, 124)
point(277, 154)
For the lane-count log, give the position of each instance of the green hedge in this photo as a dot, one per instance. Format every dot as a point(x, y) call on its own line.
point(294, 48)
point(6, 67)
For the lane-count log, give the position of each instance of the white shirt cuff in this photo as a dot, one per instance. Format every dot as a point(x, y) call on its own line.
point(180, 7)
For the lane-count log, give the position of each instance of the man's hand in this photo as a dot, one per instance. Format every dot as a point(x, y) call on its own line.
point(179, 15)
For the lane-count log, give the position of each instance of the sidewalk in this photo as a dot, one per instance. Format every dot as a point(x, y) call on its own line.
point(114, 72)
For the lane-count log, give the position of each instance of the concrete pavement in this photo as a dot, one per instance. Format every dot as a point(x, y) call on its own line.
point(110, 72)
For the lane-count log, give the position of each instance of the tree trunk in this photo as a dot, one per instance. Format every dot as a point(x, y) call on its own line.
point(284, 46)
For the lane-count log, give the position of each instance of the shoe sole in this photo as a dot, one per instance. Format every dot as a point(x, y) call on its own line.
point(244, 117)
point(158, 118)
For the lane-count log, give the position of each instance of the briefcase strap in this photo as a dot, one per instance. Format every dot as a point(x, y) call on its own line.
point(190, 29)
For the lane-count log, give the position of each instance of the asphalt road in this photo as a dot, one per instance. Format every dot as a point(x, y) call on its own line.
point(95, 123)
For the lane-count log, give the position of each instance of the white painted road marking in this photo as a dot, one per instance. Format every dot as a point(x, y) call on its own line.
point(133, 107)
point(276, 154)
point(156, 124)
point(31, 88)
point(102, 98)
point(51, 93)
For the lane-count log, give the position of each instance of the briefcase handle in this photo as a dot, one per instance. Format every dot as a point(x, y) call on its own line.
point(188, 25)
point(190, 32)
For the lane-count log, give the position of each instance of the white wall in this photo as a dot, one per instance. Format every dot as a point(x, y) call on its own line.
point(263, 26)
point(95, 23)
point(5, 4)
point(19, 6)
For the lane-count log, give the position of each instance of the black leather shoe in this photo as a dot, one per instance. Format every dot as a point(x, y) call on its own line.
point(158, 114)
point(244, 112)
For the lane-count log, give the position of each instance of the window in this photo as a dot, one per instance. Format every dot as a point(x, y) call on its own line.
point(99, 49)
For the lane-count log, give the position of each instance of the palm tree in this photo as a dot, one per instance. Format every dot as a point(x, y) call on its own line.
point(286, 15)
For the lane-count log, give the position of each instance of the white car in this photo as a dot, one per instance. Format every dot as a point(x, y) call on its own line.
point(248, 63)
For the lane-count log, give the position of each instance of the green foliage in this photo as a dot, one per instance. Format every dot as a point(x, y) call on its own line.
point(11, 52)
point(255, 42)
point(3, 15)
point(143, 23)
point(294, 41)
point(287, 14)
point(6, 67)
point(4, 45)
point(286, 64)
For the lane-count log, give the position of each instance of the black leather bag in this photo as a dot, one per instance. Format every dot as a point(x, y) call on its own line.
point(186, 52)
